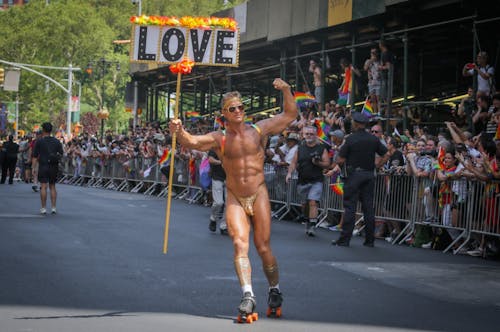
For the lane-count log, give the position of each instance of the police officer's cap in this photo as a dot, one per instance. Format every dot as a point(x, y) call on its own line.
point(359, 117)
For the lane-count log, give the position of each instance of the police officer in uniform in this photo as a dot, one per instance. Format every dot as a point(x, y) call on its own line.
point(358, 155)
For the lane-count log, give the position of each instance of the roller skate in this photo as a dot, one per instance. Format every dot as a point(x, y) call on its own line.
point(274, 301)
point(246, 309)
point(223, 228)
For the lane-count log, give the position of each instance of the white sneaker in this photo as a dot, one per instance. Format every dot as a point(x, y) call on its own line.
point(476, 252)
point(53, 211)
point(427, 245)
point(43, 211)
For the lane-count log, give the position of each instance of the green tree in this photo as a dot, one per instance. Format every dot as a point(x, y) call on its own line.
point(78, 32)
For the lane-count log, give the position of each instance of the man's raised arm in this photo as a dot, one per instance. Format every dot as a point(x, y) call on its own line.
point(279, 123)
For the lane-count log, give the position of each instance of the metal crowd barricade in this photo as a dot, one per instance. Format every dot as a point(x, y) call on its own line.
point(275, 178)
point(485, 210)
point(466, 209)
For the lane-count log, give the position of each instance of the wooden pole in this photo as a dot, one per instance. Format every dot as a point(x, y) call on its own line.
point(171, 174)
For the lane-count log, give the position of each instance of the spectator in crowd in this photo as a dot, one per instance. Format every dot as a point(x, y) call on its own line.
point(358, 153)
point(24, 158)
point(386, 66)
point(241, 150)
point(10, 149)
point(371, 66)
point(334, 171)
point(484, 73)
point(287, 152)
point(346, 67)
point(309, 161)
point(466, 108)
point(336, 142)
point(397, 195)
point(419, 164)
point(218, 193)
point(377, 131)
point(316, 71)
point(47, 154)
point(481, 115)
point(494, 116)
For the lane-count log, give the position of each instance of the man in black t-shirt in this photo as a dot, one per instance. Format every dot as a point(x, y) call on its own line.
point(309, 161)
point(47, 153)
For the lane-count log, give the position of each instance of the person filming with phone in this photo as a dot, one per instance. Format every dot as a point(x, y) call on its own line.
point(485, 74)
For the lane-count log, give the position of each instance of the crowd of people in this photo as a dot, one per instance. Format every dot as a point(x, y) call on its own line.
point(465, 147)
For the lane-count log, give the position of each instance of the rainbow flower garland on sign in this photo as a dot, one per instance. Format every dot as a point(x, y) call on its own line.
point(190, 22)
point(184, 67)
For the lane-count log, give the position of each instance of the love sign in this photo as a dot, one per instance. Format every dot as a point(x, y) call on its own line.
point(167, 44)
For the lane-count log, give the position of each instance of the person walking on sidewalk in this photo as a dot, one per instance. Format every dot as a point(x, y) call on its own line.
point(46, 155)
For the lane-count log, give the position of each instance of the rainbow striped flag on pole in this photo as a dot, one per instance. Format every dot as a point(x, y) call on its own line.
point(346, 88)
point(193, 115)
point(322, 130)
point(368, 109)
point(302, 98)
point(337, 187)
point(440, 160)
point(165, 158)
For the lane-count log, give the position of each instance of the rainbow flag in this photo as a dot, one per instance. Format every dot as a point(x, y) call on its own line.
point(165, 158)
point(193, 116)
point(322, 129)
point(248, 120)
point(368, 109)
point(346, 88)
point(302, 98)
point(219, 122)
point(337, 187)
point(440, 160)
point(497, 134)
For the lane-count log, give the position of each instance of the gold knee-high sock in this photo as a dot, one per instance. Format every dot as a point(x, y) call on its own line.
point(272, 274)
point(243, 270)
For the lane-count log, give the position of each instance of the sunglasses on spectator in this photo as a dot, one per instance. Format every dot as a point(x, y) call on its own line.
point(240, 108)
point(375, 131)
point(309, 134)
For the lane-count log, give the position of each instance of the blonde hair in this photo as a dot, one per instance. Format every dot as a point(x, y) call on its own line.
point(228, 96)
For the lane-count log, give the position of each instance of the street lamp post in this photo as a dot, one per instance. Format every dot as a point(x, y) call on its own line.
point(102, 65)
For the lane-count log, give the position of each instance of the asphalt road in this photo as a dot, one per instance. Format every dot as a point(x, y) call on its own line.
point(98, 266)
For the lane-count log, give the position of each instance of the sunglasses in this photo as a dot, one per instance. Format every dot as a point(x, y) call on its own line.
point(240, 108)
point(375, 131)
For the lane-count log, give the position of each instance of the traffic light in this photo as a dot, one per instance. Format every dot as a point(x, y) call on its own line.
point(2, 75)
